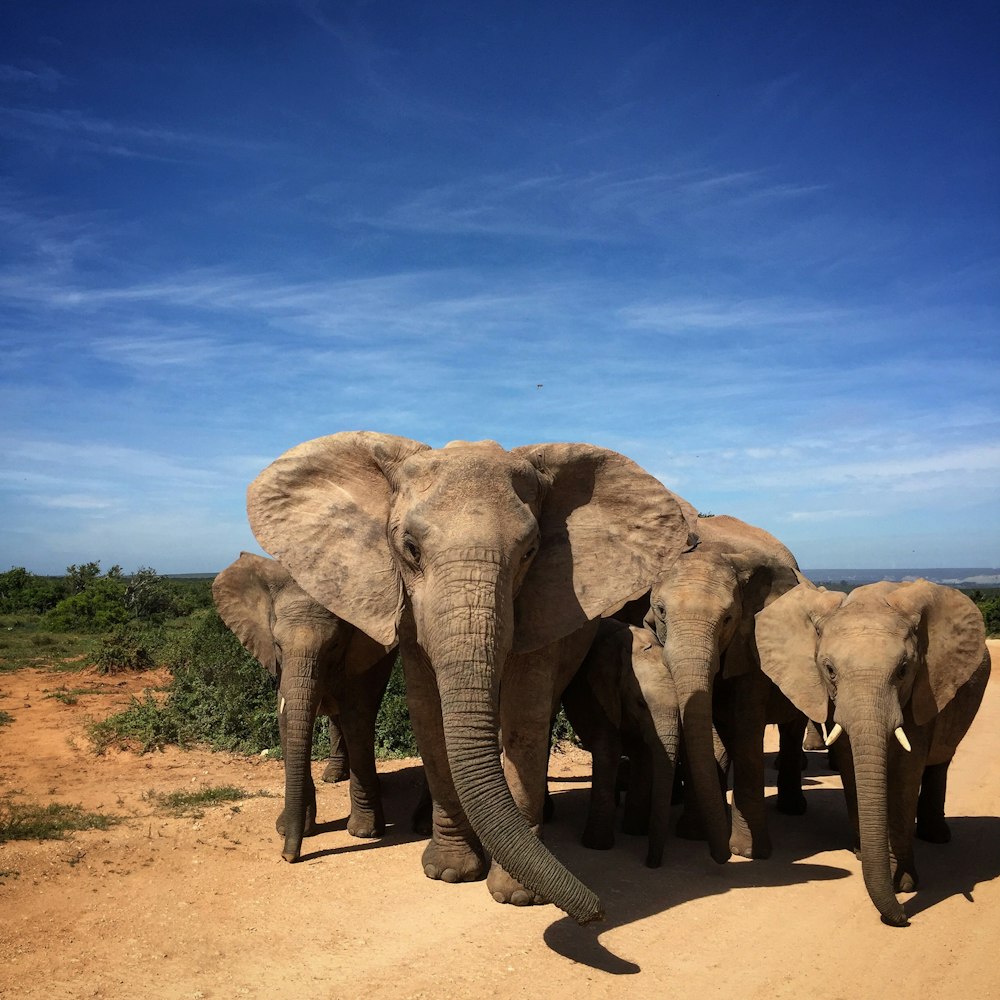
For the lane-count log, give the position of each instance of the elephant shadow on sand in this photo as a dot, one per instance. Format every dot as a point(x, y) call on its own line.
point(634, 892)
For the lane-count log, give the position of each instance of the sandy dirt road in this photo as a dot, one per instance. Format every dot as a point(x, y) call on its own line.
point(187, 907)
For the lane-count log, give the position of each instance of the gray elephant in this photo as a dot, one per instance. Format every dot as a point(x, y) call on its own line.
point(322, 663)
point(905, 667)
point(476, 558)
point(702, 609)
point(623, 701)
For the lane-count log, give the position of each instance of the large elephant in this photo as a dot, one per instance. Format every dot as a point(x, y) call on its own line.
point(905, 667)
point(702, 609)
point(476, 558)
point(622, 701)
point(322, 663)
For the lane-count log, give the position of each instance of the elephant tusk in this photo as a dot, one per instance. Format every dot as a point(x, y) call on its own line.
point(834, 734)
point(281, 707)
point(903, 741)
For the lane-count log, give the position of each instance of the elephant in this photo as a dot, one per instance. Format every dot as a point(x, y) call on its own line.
point(702, 610)
point(905, 667)
point(622, 700)
point(322, 663)
point(477, 559)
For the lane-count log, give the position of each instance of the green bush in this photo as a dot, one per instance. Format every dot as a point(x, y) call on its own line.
point(990, 608)
point(393, 735)
point(99, 607)
point(132, 646)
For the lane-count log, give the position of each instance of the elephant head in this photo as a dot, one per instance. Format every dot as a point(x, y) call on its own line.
point(481, 552)
point(300, 643)
point(890, 657)
point(702, 609)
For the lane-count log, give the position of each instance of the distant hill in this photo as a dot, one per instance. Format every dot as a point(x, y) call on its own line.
point(950, 576)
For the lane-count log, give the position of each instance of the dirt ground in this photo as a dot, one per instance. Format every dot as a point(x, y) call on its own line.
point(171, 907)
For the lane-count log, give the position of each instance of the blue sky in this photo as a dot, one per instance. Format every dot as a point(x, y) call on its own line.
point(752, 246)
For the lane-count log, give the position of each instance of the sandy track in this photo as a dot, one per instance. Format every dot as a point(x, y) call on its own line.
point(170, 907)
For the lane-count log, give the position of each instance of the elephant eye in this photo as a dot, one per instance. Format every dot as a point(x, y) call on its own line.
point(901, 670)
point(530, 554)
point(830, 671)
point(412, 551)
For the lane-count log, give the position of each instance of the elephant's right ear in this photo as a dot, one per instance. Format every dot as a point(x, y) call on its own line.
point(243, 594)
point(322, 508)
point(787, 634)
point(607, 529)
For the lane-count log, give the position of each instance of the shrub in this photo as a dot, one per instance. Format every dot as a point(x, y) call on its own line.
point(27, 821)
point(132, 646)
point(393, 735)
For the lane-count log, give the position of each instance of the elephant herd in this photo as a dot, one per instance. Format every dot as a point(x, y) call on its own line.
point(511, 581)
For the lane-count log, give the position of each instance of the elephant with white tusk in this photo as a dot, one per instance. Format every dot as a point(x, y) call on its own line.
point(321, 663)
point(904, 666)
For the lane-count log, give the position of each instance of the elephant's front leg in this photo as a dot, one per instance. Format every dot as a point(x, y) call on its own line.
point(339, 766)
point(454, 853)
point(905, 772)
point(363, 694)
point(747, 710)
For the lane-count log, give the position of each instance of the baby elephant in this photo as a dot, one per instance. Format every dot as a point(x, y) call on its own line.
point(904, 666)
point(622, 700)
point(322, 663)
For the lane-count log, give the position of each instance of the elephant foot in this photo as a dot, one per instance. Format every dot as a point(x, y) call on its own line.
point(598, 838)
point(453, 862)
point(366, 825)
point(746, 847)
point(791, 803)
point(505, 889)
point(934, 831)
point(336, 771)
point(308, 830)
point(905, 878)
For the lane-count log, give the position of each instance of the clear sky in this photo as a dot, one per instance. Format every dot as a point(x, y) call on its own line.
point(754, 246)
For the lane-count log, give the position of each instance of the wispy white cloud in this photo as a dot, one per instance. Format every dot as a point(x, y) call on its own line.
point(118, 138)
point(36, 75)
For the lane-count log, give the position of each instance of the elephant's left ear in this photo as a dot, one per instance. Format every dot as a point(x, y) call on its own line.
point(952, 637)
point(607, 529)
point(787, 637)
point(763, 578)
point(243, 595)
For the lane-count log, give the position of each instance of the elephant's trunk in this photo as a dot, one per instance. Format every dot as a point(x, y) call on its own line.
point(693, 678)
point(870, 745)
point(664, 748)
point(474, 638)
point(298, 704)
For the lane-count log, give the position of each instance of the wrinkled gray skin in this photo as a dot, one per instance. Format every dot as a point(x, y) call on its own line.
point(702, 610)
point(321, 663)
point(887, 656)
point(476, 558)
point(623, 701)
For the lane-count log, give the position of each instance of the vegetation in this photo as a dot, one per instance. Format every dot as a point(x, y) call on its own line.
point(190, 803)
point(29, 821)
point(6, 718)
